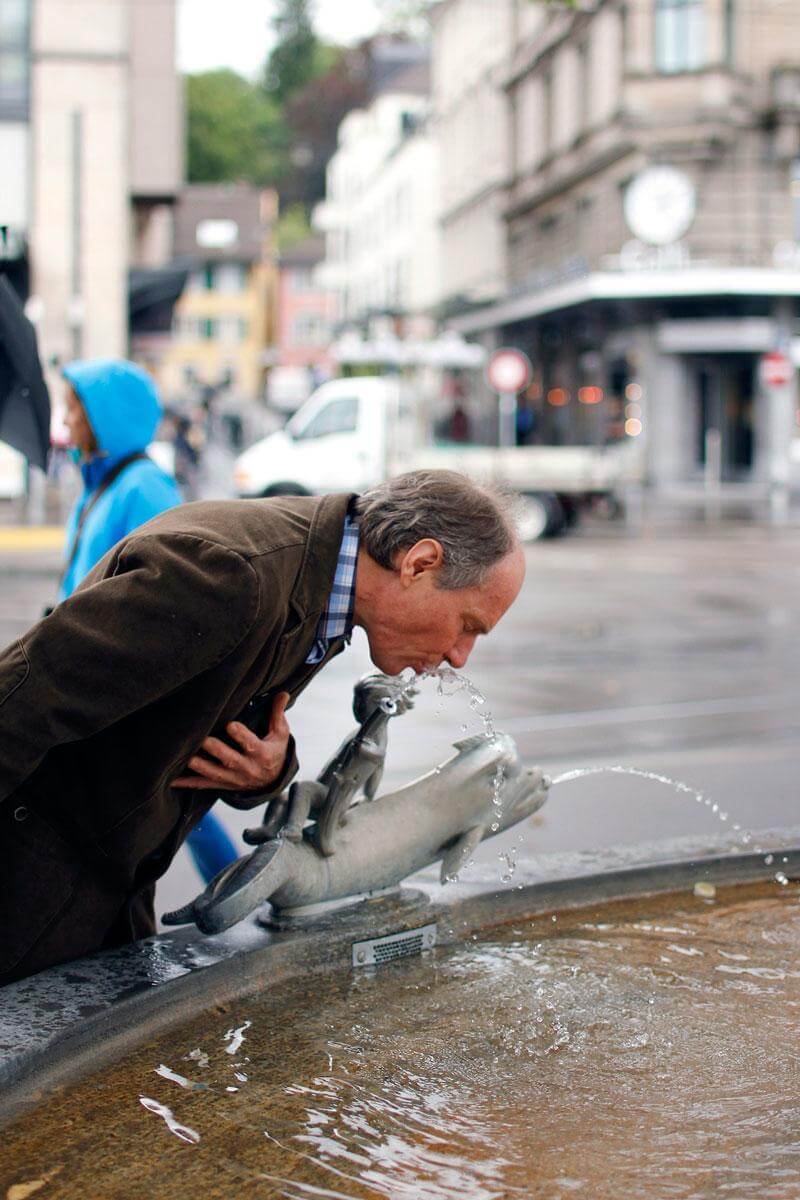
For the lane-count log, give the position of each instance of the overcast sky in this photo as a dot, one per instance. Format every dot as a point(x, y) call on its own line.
point(235, 33)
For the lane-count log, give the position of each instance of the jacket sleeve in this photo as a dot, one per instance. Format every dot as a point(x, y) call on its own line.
point(158, 610)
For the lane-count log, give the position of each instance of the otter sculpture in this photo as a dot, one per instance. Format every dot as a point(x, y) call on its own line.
point(361, 844)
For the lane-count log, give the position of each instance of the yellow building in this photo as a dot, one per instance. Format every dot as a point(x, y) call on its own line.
point(225, 320)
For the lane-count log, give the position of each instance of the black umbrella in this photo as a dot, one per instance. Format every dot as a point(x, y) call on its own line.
point(24, 400)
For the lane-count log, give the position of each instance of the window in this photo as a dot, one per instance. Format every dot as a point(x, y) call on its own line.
point(231, 328)
point(230, 278)
point(730, 44)
point(216, 233)
point(309, 329)
point(584, 86)
point(302, 279)
point(338, 416)
point(680, 35)
point(14, 59)
point(187, 327)
point(547, 113)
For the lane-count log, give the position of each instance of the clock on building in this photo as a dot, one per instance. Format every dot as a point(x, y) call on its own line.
point(660, 205)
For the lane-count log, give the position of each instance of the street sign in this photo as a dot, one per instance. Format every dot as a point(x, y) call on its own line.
point(777, 370)
point(508, 371)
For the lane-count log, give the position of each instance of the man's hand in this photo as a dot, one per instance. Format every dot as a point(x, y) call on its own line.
point(253, 768)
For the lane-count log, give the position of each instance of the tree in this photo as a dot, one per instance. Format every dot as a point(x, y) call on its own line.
point(298, 56)
point(313, 115)
point(235, 131)
point(293, 226)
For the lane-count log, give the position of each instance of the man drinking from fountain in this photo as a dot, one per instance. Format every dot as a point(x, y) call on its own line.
point(162, 683)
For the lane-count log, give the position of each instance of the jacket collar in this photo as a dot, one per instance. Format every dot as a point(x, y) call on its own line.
point(95, 471)
point(320, 556)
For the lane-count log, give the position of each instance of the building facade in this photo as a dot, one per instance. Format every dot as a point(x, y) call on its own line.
point(304, 327)
point(651, 226)
point(91, 159)
point(472, 43)
point(225, 321)
point(379, 215)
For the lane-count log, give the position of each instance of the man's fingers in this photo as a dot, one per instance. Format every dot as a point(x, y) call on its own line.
point(255, 765)
point(220, 750)
point(249, 742)
point(217, 774)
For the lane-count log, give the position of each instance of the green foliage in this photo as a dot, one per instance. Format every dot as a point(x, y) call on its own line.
point(235, 131)
point(293, 226)
point(298, 56)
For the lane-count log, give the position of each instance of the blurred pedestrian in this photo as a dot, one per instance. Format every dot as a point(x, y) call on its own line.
point(112, 413)
point(187, 458)
point(459, 428)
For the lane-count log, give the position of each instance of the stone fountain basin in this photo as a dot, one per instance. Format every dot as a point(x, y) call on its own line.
point(61, 1025)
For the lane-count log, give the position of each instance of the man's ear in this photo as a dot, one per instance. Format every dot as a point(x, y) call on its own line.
point(423, 556)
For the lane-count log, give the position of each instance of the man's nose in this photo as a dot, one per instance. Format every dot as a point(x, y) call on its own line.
point(460, 653)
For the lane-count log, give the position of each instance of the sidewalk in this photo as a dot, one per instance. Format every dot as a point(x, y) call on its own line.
point(15, 538)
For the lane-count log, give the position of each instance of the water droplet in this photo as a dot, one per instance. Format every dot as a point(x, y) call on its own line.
point(781, 878)
point(769, 859)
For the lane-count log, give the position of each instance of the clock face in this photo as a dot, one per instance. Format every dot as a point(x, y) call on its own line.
point(660, 205)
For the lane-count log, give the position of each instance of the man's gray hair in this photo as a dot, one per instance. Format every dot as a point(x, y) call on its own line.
point(474, 524)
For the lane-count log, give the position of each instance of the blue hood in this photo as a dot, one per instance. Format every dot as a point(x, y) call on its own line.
point(120, 401)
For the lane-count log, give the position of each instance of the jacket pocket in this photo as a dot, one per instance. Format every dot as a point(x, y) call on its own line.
point(39, 875)
point(14, 670)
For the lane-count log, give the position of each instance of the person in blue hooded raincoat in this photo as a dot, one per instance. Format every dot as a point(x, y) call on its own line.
point(112, 411)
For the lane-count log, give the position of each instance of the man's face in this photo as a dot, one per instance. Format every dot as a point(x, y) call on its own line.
point(411, 622)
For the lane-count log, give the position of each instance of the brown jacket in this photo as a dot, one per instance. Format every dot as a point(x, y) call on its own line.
point(197, 618)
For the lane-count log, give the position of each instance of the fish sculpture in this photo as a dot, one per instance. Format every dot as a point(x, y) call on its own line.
point(482, 789)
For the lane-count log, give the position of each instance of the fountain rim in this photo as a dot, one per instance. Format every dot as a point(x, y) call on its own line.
point(64, 1023)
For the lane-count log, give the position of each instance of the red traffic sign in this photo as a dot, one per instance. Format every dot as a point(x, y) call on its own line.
point(776, 369)
point(508, 370)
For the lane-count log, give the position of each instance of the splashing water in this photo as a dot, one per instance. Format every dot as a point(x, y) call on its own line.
point(744, 839)
point(451, 683)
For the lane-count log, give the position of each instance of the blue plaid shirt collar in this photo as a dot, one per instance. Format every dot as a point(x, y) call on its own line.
point(337, 618)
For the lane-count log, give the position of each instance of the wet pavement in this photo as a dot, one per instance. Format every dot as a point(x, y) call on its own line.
point(669, 648)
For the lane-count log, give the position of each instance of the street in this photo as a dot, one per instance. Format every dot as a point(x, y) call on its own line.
point(673, 650)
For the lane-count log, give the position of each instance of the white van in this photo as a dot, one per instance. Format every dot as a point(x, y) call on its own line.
point(352, 433)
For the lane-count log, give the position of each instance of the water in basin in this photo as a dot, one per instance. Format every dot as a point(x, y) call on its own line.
point(643, 1048)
